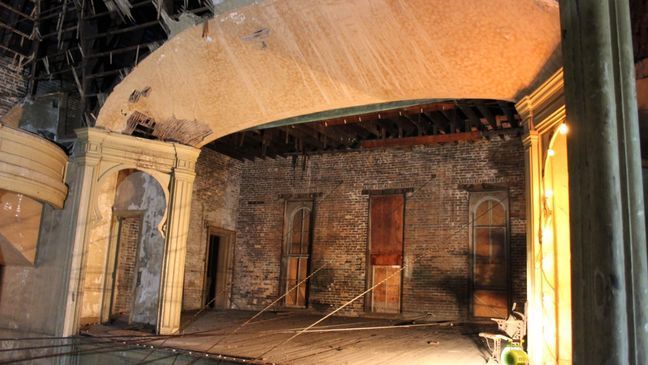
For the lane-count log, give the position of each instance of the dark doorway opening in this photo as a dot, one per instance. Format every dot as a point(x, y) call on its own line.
point(212, 270)
point(125, 276)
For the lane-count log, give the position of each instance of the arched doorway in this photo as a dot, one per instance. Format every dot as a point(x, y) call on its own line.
point(125, 251)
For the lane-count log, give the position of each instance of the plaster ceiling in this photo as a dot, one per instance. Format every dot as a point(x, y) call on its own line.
point(270, 60)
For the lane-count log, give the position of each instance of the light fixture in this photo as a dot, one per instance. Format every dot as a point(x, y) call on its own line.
point(548, 193)
point(563, 129)
point(547, 235)
point(551, 153)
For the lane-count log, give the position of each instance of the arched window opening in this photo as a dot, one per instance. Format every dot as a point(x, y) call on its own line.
point(297, 252)
point(490, 295)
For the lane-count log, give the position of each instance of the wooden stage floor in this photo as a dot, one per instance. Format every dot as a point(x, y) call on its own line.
point(337, 340)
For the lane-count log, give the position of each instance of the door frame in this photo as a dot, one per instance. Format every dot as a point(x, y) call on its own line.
point(474, 200)
point(114, 244)
point(225, 264)
point(309, 203)
point(368, 300)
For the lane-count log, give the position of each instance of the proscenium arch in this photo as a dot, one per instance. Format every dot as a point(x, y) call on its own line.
point(266, 61)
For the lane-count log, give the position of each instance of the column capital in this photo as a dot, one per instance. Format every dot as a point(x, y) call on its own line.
point(531, 138)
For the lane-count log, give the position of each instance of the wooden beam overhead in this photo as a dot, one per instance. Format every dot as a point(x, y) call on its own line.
point(332, 134)
point(371, 128)
point(13, 51)
point(471, 115)
point(509, 111)
point(303, 137)
point(430, 139)
point(416, 121)
point(439, 123)
point(16, 11)
point(15, 31)
point(488, 115)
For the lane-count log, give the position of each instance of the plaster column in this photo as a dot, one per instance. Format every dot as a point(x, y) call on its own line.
point(532, 159)
point(82, 174)
point(610, 293)
point(176, 246)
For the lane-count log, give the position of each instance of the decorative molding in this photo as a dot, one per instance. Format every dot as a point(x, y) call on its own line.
point(544, 107)
point(98, 154)
point(33, 166)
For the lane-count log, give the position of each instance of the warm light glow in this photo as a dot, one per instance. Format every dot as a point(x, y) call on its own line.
point(551, 153)
point(563, 129)
point(547, 235)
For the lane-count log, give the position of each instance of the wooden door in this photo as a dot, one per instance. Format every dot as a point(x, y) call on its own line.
point(386, 251)
point(490, 296)
point(297, 252)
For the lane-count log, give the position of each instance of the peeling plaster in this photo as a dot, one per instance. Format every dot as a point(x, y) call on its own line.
point(322, 56)
point(141, 192)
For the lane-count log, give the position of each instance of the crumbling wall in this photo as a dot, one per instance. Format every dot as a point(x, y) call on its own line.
point(32, 298)
point(436, 219)
point(214, 204)
point(140, 191)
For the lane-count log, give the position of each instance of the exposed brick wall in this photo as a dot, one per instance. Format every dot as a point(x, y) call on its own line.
point(436, 222)
point(214, 204)
point(13, 85)
point(129, 235)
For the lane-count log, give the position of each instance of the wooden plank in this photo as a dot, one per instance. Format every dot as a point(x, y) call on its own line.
point(14, 30)
point(471, 115)
point(387, 229)
point(16, 11)
point(433, 139)
point(488, 115)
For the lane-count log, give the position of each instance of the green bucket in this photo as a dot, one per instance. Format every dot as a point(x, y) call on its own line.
point(514, 354)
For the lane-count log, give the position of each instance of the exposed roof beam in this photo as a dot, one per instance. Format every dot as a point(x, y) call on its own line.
point(471, 115)
point(16, 31)
point(411, 141)
point(488, 115)
point(305, 138)
point(13, 51)
point(509, 110)
point(16, 11)
point(420, 127)
point(438, 122)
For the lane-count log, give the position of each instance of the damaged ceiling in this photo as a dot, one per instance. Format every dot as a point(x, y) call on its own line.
point(280, 62)
point(263, 61)
point(435, 123)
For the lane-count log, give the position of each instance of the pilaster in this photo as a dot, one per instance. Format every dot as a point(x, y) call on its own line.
point(176, 244)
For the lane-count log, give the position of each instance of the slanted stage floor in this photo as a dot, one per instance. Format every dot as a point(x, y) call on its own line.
point(337, 340)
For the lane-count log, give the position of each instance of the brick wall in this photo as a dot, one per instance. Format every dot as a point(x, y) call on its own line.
point(129, 235)
point(214, 204)
point(436, 222)
point(13, 85)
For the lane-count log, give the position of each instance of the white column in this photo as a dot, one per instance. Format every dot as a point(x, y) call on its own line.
point(176, 247)
point(81, 177)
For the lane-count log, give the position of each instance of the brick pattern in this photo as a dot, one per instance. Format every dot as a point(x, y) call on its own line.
point(214, 204)
point(436, 243)
point(13, 84)
point(129, 235)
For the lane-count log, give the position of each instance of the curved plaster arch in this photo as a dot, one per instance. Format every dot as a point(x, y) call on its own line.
point(161, 178)
point(271, 60)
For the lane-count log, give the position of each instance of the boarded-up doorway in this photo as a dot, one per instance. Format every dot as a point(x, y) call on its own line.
point(218, 268)
point(124, 256)
point(386, 251)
